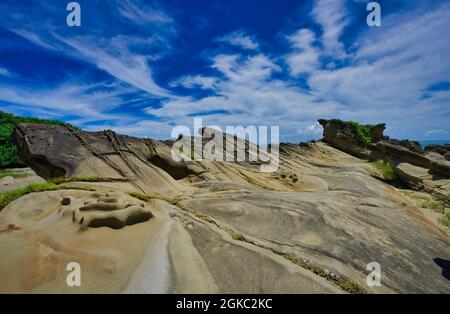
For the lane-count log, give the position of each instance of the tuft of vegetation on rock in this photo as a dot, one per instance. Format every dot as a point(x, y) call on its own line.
point(445, 220)
point(435, 205)
point(362, 132)
point(140, 196)
point(10, 196)
point(60, 180)
point(8, 150)
point(343, 283)
point(12, 173)
point(237, 236)
point(385, 168)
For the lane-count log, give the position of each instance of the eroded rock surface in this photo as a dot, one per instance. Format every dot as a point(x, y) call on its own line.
point(427, 170)
point(208, 226)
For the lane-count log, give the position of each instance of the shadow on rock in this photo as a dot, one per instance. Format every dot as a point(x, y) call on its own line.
point(445, 265)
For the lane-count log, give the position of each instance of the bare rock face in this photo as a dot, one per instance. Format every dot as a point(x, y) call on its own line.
point(413, 146)
point(59, 151)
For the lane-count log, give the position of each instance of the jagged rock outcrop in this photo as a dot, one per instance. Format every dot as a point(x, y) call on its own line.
point(443, 150)
point(59, 151)
point(421, 170)
point(413, 146)
point(340, 134)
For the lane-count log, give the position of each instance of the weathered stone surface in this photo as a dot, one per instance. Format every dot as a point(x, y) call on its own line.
point(58, 151)
point(217, 226)
point(395, 152)
point(443, 150)
point(400, 153)
point(22, 177)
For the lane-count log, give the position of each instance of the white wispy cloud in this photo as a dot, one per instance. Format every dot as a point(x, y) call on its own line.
point(436, 132)
point(66, 99)
point(142, 13)
point(5, 72)
point(305, 57)
point(204, 82)
point(314, 130)
point(114, 57)
point(140, 128)
point(385, 78)
point(125, 57)
point(240, 39)
point(332, 16)
point(391, 70)
point(247, 89)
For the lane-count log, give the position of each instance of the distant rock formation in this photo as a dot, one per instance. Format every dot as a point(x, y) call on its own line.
point(429, 169)
point(340, 135)
point(443, 150)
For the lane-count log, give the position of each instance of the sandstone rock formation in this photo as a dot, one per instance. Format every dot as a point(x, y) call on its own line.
point(212, 226)
point(59, 151)
point(421, 170)
point(18, 178)
point(443, 150)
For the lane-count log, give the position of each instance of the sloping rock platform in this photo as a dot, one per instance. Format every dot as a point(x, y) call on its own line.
point(208, 226)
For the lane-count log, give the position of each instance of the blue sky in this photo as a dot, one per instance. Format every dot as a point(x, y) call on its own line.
point(141, 67)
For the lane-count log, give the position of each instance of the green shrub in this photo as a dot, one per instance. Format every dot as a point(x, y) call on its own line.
point(8, 150)
point(362, 132)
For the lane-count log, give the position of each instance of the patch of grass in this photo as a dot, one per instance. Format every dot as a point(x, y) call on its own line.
point(60, 180)
point(344, 283)
point(415, 196)
point(10, 196)
point(140, 196)
point(434, 205)
point(288, 256)
point(145, 197)
point(445, 220)
point(385, 168)
point(11, 173)
point(237, 236)
point(174, 202)
point(440, 198)
point(205, 218)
